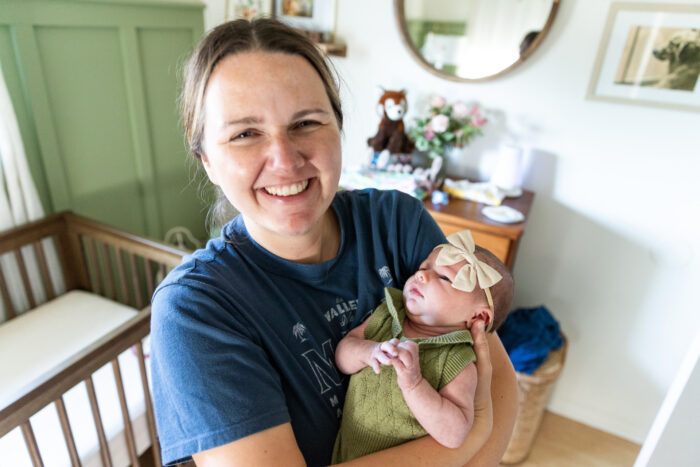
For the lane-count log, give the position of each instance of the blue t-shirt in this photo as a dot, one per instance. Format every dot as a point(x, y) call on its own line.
point(243, 340)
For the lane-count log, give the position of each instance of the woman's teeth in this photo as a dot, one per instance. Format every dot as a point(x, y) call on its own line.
point(288, 190)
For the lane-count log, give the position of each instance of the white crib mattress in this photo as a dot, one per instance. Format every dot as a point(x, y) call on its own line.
point(48, 335)
point(39, 340)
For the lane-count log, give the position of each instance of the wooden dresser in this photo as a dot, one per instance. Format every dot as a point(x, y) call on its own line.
point(500, 239)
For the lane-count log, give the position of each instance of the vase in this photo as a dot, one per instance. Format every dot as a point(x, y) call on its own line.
point(454, 160)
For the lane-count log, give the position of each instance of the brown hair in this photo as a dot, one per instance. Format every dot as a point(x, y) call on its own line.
point(501, 291)
point(264, 34)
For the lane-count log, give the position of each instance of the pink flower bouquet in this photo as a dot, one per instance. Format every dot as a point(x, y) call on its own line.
point(446, 125)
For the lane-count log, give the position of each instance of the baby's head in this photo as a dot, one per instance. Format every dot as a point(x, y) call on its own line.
point(449, 291)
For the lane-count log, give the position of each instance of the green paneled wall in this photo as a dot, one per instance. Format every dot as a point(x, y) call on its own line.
point(94, 84)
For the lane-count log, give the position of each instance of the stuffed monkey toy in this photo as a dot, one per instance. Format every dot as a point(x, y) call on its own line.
point(391, 134)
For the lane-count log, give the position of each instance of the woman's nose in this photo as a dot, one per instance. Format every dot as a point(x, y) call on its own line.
point(283, 153)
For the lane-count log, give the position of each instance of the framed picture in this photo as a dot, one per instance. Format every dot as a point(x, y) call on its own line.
point(650, 55)
point(248, 9)
point(310, 15)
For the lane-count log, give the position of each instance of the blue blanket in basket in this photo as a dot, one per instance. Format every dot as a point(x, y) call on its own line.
point(529, 334)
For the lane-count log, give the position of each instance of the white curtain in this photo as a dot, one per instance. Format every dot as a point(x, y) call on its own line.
point(19, 204)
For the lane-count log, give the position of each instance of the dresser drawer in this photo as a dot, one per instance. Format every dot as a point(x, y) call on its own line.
point(499, 246)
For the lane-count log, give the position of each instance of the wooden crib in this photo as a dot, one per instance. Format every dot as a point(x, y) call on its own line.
point(68, 257)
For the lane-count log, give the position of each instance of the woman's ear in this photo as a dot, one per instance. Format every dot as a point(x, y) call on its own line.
point(211, 173)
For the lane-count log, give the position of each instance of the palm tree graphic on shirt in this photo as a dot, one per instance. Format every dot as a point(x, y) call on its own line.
point(299, 330)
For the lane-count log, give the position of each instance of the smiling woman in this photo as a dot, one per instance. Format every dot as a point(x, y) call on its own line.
point(268, 301)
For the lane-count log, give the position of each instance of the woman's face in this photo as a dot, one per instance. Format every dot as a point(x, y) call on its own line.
point(271, 142)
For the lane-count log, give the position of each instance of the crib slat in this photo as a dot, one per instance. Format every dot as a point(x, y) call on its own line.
point(25, 278)
point(104, 447)
point(30, 440)
point(92, 263)
point(149, 405)
point(135, 281)
point(44, 270)
point(122, 277)
point(128, 430)
point(6, 299)
point(96, 264)
point(108, 272)
point(67, 432)
point(149, 277)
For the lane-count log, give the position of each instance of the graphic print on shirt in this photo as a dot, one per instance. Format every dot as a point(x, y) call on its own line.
point(343, 311)
point(323, 367)
point(385, 274)
point(299, 331)
point(335, 403)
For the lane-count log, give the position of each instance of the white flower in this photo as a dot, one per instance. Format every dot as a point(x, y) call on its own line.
point(460, 110)
point(439, 123)
point(437, 102)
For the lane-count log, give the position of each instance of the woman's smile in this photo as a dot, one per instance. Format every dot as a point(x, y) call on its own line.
point(287, 190)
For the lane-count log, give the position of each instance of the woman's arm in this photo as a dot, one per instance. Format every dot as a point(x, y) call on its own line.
point(504, 392)
point(481, 446)
point(264, 448)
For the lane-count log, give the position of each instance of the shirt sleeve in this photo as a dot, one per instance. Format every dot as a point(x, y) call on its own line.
point(212, 381)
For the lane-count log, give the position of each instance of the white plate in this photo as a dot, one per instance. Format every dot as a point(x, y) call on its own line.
point(504, 214)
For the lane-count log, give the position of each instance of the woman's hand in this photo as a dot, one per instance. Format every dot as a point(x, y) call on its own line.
point(483, 407)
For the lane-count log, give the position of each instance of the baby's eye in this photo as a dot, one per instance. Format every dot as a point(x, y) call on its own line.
point(445, 278)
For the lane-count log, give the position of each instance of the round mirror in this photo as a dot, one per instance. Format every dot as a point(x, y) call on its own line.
point(473, 40)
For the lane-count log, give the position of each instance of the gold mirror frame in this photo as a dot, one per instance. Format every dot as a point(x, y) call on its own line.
point(406, 39)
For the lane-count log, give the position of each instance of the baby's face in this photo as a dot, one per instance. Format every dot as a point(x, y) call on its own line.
point(431, 300)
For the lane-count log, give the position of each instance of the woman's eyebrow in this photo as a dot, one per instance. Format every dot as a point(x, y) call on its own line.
point(244, 121)
point(256, 120)
point(305, 112)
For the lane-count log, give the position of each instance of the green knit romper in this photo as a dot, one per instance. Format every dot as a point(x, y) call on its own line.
point(375, 415)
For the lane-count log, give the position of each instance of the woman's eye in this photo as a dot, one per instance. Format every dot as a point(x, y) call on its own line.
point(306, 123)
point(243, 135)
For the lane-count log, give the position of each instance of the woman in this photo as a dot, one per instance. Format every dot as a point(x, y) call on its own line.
point(243, 332)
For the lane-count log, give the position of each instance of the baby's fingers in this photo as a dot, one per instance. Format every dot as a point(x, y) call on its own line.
point(389, 347)
point(408, 353)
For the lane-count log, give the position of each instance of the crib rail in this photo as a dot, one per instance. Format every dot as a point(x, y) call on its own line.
point(46, 258)
point(79, 369)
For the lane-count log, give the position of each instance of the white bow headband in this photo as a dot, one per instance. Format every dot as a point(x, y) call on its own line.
point(461, 247)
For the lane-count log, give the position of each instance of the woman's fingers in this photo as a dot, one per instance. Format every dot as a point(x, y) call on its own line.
point(482, 397)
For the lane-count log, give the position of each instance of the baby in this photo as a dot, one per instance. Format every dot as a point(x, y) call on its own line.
point(430, 391)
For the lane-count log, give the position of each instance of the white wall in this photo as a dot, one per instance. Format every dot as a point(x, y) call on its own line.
point(611, 244)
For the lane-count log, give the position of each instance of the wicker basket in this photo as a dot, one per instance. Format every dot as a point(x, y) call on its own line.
point(534, 391)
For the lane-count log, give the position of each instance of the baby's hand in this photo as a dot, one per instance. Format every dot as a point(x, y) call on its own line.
point(407, 365)
point(383, 354)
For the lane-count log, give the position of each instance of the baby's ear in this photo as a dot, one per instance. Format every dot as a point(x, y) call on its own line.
point(486, 315)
